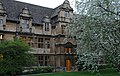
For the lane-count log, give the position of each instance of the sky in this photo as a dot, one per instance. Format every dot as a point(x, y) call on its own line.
point(47, 3)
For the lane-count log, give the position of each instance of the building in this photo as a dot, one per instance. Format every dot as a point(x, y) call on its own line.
point(41, 28)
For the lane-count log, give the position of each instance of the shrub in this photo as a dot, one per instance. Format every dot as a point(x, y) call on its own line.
point(37, 70)
point(15, 57)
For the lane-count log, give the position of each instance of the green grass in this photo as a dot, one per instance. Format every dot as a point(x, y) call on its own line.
point(108, 72)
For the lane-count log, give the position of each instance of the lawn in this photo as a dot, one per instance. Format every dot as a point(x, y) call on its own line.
point(77, 74)
point(107, 72)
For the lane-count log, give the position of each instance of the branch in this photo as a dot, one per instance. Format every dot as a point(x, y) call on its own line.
point(107, 10)
point(103, 47)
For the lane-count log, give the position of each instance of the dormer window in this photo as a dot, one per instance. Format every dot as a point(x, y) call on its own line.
point(3, 16)
point(1, 22)
point(46, 23)
point(25, 20)
point(66, 14)
point(46, 26)
point(24, 25)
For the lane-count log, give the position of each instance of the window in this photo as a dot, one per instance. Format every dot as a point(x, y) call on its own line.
point(47, 42)
point(1, 22)
point(68, 50)
point(63, 29)
point(46, 26)
point(40, 43)
point(66, 14)
point(25, 25)
point(23, 38)
point(40, 40)
point(43, 60)
point(40, 58)
point(53, 27)
point(30, 41)
point(1, 37)
point(46, 60)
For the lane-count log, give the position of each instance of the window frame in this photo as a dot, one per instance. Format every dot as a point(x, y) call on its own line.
point(63, 29)
point(40, 42)
point(1, 36)
point(24, 24)
point(47, 27)
point(1, 22)
point(68, 50)
point(44, 60)
point(66, 14)
point(47, 43)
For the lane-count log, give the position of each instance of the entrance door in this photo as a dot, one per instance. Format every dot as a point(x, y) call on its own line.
point(68, 65)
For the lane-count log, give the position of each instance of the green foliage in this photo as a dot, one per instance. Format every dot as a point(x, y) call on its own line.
point(97, 31)
point(44, 69)
point(15, 57)
point(38, 70)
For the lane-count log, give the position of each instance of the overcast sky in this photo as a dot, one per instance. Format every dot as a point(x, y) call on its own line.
point(47, 3)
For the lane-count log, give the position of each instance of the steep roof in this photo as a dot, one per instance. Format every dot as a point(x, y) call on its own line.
point(14, 8)
point(56, 10)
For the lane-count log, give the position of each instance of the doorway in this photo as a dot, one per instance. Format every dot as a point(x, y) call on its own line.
point(68, 65)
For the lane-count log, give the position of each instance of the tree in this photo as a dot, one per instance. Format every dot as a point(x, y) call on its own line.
point(97, 30)
point(15, 57)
